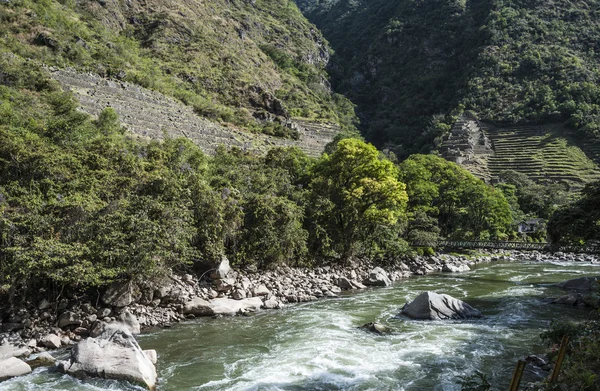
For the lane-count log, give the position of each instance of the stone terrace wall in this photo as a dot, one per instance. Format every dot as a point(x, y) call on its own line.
point(148, 114)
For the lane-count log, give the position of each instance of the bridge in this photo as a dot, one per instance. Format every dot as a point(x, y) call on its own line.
point(499, 245)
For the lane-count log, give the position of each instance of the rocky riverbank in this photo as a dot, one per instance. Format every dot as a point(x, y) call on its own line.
point(221, 291)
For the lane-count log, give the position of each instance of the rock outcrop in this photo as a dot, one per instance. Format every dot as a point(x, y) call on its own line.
point(581, 284)
point(435, 306)
point(13, 367)
point(114, 354)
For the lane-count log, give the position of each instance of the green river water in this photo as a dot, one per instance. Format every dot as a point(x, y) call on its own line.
point(316, 346)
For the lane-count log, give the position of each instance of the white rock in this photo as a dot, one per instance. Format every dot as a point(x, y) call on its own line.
point(13, 367)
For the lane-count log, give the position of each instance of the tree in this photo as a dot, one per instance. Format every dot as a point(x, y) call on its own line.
point(354, 191)
point(463, 205)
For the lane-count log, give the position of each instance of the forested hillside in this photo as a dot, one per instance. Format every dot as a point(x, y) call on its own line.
point(251, 64)
point(412, 66)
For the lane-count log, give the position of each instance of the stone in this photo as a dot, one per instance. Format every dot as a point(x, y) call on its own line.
point(44, 305)
point(435, 306)
point(114, 354)
point(13, 367)
point(44, 359)
point(570, 299)
point(239, 294)
point(455, 268)
point(222, 270)
point(130, 322)
point(582, 284)
point(151, 354)
point(8, 351)
point(68, 318)
point(378, 277)
point(51, 341)
point(121, 294)
point(344, 283)
point(261, 290)
point(375, 327)
point(103, 313)
point(272, 303)
point(221, 306)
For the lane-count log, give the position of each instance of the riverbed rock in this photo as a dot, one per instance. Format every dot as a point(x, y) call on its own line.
point(44, 359)
point(121, 294)
point(152, 356)
point(581, 284)
point(378, 277)
point(114, 354)
point(13, 367)
point(130, 322)
point(222, 270)
point(435, 306)
point(455, 268)
point(8, 351)
point(221, 306)
point(51, 341)
point(68, 318)
point(375, 327)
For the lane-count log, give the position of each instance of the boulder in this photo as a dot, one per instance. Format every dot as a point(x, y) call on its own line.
point(51, 341)
point(375, 327)
point(8, 351)
point(582, 284)
point(130, 322)
point(44, 359)
point(68, 318)
point(455, 268)
point(378, 277)
point(434, 306)
point(272, 303)
point(114, 354)
point(222, 306)
point(222, 270)
point(261, 290)
point(13, 367)
point(121, 294)
point(344, 283)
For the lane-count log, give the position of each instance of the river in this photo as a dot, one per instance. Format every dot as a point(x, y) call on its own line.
point(317, 346)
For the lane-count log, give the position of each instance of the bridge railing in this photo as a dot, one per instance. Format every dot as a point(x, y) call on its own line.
point(500, 245)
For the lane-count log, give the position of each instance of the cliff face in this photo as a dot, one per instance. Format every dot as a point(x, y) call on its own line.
point(253, 64)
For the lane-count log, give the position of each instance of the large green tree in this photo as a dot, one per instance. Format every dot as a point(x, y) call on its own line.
point(463, 205)
point(355, 191)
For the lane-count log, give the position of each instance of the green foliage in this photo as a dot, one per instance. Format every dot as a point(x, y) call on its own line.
point(578, 222)
point(221, 58)
point(580, 370)
point(355, 192)
point(446, 199)
point(410, 66)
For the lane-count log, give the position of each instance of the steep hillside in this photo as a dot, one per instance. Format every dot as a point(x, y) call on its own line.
point(250, 64)
point(412, 67)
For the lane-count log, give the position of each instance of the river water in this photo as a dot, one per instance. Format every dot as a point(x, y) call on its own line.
point(317, 346)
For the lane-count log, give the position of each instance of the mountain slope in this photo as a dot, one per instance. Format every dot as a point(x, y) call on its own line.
point(412, 67)
point(253, 64)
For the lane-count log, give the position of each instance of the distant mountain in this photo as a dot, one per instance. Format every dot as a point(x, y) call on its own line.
point(413, 66)
point(254, 64)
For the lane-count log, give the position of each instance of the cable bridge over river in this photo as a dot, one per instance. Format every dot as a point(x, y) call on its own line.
point(500, 245)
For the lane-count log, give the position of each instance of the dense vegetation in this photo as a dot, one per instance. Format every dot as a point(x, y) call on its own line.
point(411, 67)
point(252, 64)
point(83, 204)
point(578, 222)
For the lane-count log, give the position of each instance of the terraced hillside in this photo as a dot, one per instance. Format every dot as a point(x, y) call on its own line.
point(543, 153)
point(150, 114)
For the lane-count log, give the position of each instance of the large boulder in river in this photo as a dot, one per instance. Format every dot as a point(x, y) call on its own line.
point(376, 328)
point(221, 306)
point(378, 277)
point(435, 306)
point(114, 354)
point(581, 284)
point(13, 367)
